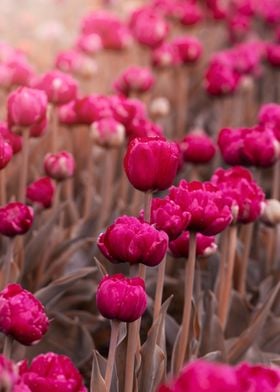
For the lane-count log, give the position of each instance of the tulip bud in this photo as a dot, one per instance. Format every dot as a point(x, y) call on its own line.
point(134, 80)
point(6, 152)
point(197, 148)
point(15, 218)
point(41, 191)
point(151, 163)
point(273, 54)
point(205, 245)
point(107, 133)
point(121, 298)
point(60, 88)
point(271, 212)
point(22, 316)
point(39, 129)
point(14, 140)
point(26, 107)
point(160, 107)
point(189, 49)
point(52, 372)
point(128, 240)
point(269, 116)
point(67, 114)
point(165, 56)
point(59, 166)
point(90, 43)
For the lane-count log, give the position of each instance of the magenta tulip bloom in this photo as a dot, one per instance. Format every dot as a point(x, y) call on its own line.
point(258, 378)
point(269, 116)
point(41, 191)
point(197, 148)
point(26, 107)
point(22, 316)
point(59, 166)
point(210, 213)
point(121, 298)
point(14, 140)
point(128, 240)
point(238, 185)
point(6, 152)
point(189, 49)
point(107, 133)
point(15, 219)
point(134, 79)
point(52, 372)
point(151, 163)
point(205, 245)
point(273, 54)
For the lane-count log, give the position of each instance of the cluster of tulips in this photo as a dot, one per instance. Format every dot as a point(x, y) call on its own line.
point(177, 157)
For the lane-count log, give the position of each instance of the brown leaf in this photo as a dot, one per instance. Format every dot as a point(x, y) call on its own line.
point(97, 383)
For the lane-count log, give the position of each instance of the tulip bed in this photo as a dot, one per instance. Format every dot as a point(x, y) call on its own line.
point(139, 197)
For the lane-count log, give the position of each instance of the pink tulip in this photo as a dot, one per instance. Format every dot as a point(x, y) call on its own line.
point(92, 108)
point(165, 56)
point(128, 240)
point(210, 213)
point(187, 13)
point(107, 133)
point(121, 298)
point(26, 107)
point(52, 372)
point(22, 316)
point(189, 49)
point(205, 245)
point(258, 378)
point(59, 87)
point(75, 62)
point(39, 129)
point(269, 116)
point(134, 80)
point(67, 114)
point(273, 54)
point(151, 163)
point(59, 166)
point(238, 185)
point(6, 152)
point(41, 191)
point(14, 140)
point(15, 219)
point(89, 43)
point(197, 148)
point(142, 127)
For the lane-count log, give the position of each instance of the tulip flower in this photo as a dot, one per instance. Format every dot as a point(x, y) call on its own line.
point(13, 139)
point(89, 43)
point(6, 152)
point(22, 316)
point(273, 54)
point(129, 240)
point(269, 116)
point(134, 79)
point(15, 219)
point(205, 245)
point(189, 49)
point(59, 166)
point(107, 133)
point(197, 148)
point(41, 191)
point(151, 163)
point(165, 56)
point(52, 372)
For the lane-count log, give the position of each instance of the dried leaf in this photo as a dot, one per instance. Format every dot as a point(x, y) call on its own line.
point(97, 383)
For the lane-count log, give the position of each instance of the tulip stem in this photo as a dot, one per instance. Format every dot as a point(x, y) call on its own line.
point(221, 272)
point(241, 279)
point(188, 292)
point(7, 349)
point(225, 289)
point(3, 191)
point(147, 206)
point(54, 125)
point(8, 261)
point(24, 171)
point(115, 325)
point(133, 331)
point(159, 288)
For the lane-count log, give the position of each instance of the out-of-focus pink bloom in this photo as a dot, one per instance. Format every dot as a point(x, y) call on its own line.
point(187, 13)
point(8, 374)
point(22, 72)
point(41, 191)
point(202, 376)
point(239, 26)
point(257, 378)
point(113, 32)
point(67, 113)
point(15, 218)
point(22, 316)
point(92, 108)
point(21, 387)
point(151, 163)
point(134, 79)
point(269, 10)
point(126, 110)
point(128, 240)
point(210, 212)
point(60, 165)
point(52, 372)
point(247, 57)
point(169, 217)
point(273, 54)
point(38, 129)
point(60, 88)
point(148, 27)
point(26, 107)
point(165, 56)
point(6, 77)
point(205, 245)
point(141, 127)
point(269, 116)
point(75, 62)
point(221, 77)
point(197, 148)
point(189, 48)
point(230, 142)
point(89, 43)
point(107, 133)
point(238, 185)
point(218, 8)
point(6, 152)
point(14, 140)
point(121, 298)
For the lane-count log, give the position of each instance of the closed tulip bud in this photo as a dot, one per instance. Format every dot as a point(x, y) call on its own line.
point(26, 107)
point(39, 129)
point(197, 148)
point(238, 185)
point(89, 43)
point(67, 114)
point(134, 80)
point(169, 217)
point(151, 163)
point(165, 56)
point(189, 49)
point(160, 107)
point(59, 166)
point(142, 127)
point(210, 213)
point(121, 298)
point(15, 219)
point(271, 212)
point(205, 245)
point(273, 54)
point(22, 316)
point(231, 145)
point(59, 87)
point(52, 372)
point(107, 133)
point(14, 140)
point(6, 152)
point(269, 116)
point(128, 240)
point(257, 378)
point(41, 191)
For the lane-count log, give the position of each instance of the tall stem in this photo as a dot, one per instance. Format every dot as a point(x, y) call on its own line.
point(159, 288)
point(24, 171)
point(224, 303)
point(221, 273)
point(188, 292)
point(112, 353)
point(3, 185)
point(7, 349)
point(147, 206)
point(8, 261)
point(241, 282)
point(54, 129)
